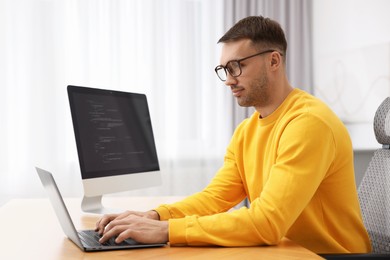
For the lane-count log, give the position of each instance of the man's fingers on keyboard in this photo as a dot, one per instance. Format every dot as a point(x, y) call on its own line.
point(113, 232)
point(103, 222)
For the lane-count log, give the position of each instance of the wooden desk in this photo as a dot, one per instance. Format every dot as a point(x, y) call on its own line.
point(30, 230)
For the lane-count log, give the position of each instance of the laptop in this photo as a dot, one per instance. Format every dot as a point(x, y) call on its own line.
point(86, 240)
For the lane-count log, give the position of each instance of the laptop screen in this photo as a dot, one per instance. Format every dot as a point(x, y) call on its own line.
point(113, 132)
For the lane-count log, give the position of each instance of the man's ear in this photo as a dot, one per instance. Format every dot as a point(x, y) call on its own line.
point(276, 60)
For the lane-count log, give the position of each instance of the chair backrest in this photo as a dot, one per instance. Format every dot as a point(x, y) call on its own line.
point(374, 190)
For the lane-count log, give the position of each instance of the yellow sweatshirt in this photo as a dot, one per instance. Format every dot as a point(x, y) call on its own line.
point(296, 168)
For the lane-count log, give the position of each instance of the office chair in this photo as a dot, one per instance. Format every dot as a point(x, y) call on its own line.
point(374, 191)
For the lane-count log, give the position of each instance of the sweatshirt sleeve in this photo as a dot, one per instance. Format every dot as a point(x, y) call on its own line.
point(302, 162)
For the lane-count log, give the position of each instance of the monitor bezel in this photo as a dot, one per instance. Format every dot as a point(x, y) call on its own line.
point(72, 89)
point(106, 174)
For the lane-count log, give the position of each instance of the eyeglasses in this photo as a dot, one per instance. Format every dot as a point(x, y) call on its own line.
point(234, 66)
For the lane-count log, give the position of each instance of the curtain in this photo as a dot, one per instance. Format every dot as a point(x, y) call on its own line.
point(164, 48)
point(295, 19)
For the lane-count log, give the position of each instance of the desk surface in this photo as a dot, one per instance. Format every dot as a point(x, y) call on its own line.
point(30, 230)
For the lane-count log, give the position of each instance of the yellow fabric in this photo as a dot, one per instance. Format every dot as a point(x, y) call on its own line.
point(296, 168)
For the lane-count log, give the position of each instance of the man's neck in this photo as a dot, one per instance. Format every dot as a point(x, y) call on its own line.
point(276, 102)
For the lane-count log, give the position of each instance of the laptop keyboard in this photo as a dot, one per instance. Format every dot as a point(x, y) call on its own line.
point(91, 239)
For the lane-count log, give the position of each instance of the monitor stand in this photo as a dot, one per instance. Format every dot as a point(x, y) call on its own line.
point(94, 205)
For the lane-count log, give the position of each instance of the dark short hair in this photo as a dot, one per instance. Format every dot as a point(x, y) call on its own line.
point(261, 31)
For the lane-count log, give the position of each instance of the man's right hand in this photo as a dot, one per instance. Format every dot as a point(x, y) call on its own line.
point(106, 219)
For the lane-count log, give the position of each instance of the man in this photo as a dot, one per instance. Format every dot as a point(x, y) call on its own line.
point(292, 159)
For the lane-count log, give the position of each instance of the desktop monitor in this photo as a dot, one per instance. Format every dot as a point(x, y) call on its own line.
point(115, 143)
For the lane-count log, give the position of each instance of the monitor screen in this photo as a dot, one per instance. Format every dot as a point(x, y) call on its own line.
point(113, 132)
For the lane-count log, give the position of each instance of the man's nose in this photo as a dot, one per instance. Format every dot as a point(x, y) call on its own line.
point(230, 80)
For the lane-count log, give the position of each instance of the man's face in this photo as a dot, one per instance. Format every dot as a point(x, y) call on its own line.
point(251, 88)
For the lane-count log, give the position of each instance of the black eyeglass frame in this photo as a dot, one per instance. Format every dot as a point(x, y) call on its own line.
point(226, 68)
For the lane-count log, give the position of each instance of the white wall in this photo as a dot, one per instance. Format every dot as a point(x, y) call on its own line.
point(351, 44)
point(349, 24)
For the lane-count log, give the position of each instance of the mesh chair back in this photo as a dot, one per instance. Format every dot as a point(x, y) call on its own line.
point(374, 190)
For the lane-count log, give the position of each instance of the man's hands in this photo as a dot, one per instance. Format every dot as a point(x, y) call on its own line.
point(143, 227)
